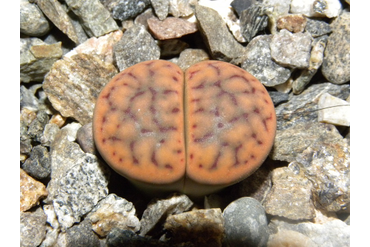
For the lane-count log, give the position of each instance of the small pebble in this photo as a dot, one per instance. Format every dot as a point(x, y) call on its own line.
point(245, 223)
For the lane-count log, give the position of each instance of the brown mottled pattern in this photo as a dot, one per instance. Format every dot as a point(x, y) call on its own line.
point(139, 124)
point(222, 135)
point(231, 123)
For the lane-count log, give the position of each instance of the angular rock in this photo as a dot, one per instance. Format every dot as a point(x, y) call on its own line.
point(224, 10)
point(171, 28)
point(51, 216)
point(126, 9)
point(333, 110)
point(32, 227)
point(280, 7)
point(32, 20)
point(78, 180)
point(259, 63)
point(95, 18)
point(36, 58)
point(331, 233)
point(161, 8)
point(278, 97)
point(290, 195)
point(135, 46)
point(158, 210)
point(28, 99)
point(253, 20)
point(221, 43)
point(245, 223)
point(290, 238)
point(38, 164)
point(49, 134)
point(291, 50)
point(31, 191)
point(50, 237)
point(143, 18)
point(316, 8)
point(240, 5)
point(85, 139)
point(113, 212)
point(317, 27)
point(73, 84)
point(70, 131)
point(327, 164)
point(82, 235)
point(199, 227)
point(191, 56)
point(303, 107)
point(119, 237)
point(295, 23)
point(316, 59)
point(36, 128)
point(101, 47)
point(290, 142)
point(182, 8)
point(56, 13)
point(336, 64)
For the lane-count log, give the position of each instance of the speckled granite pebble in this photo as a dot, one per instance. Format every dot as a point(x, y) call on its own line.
point(32, 227)
point(32, 20)
point(336, 64)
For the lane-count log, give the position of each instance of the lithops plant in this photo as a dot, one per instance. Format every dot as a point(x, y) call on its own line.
point(194, 132)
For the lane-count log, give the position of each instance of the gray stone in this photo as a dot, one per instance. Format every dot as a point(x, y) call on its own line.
point(316, 59)
point(51, 237)
point(327, 164)
point(291, 50)
point(57, 14)
point(135, 46)
point(28, 99)
point(78, 180)
point(278, 97)
point(290, 195)
point(160, 209)
point(82, 235)
point(216, 35)
point(86, 140)
point(49, 134)
point(191, 56)
point(245, 223)
point(161, 8)
point(113, 212)
point(95, 18)
point(280, 7)
point(317, 27)
point(253, 20)
point(119, 237)
point(38, 164)
point(290, 142)
point(198, 227)
point(240, 5)
point(258, 62)
point(36, 58)
point(336, 65)
point(126, 9)
point(36, 128)
point(74, 83)
point(33, 22)
point(331, 233)
point(304, 107)
point(182, 8)
point(32, 227)
point(143, 18)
